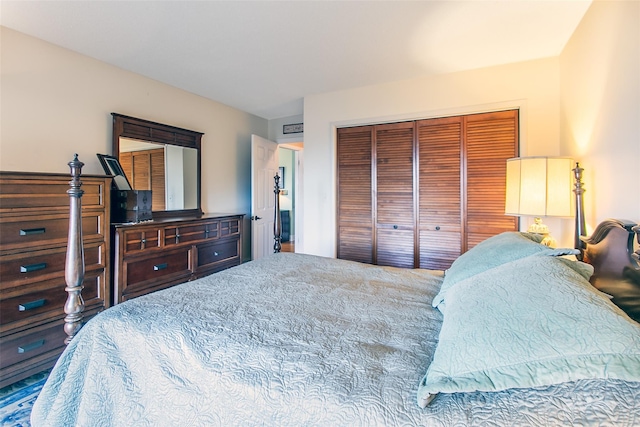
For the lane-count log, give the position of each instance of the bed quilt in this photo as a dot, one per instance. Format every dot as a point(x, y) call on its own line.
point(288, 340)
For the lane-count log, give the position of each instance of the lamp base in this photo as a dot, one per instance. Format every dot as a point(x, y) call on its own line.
point(539, 228)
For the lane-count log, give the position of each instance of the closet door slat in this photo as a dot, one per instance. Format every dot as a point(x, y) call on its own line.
point(355, 202)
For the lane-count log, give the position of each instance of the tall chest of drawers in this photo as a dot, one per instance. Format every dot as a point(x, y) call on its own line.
point(154, 255)
point(34, 224)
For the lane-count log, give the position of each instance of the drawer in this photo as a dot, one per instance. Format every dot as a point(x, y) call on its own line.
point(146, 272)
point(137, 240)
point(19, 269)
point(229, 227)
point(30, 344)
point(49, 192)
point(191, 233)
point(209, 255)
point(42, 302)
point(47, 230)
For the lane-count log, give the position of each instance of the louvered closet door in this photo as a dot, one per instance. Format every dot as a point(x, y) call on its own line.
point(439, 142)
point(395, 224)
point(491, 139)
point(157, 179)
point(141, 171)
point(126, 161)
point(355, 202)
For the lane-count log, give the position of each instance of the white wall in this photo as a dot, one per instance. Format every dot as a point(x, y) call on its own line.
point(600, 108)
point(531, 86)
point(55, 103)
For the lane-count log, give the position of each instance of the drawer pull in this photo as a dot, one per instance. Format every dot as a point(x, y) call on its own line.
point(160, 266)
point(33, 267)
point(32, 304)
point(32, 231)
point(29, 347)
point(215, 253)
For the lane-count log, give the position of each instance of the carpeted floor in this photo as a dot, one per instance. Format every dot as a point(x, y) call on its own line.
point(17, 399)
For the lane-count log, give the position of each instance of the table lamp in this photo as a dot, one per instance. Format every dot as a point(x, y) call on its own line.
point(539, 187)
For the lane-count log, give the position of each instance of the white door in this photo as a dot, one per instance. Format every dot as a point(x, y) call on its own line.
point(264, 166)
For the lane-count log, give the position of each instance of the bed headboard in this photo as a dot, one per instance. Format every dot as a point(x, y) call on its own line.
point(616, 269)
point(610, 248)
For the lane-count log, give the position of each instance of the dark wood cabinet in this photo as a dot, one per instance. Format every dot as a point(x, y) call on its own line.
point(34, 226)
point(150, 256)
point(420, 193)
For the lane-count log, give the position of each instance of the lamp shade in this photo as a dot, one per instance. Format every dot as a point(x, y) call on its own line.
point(539, 186)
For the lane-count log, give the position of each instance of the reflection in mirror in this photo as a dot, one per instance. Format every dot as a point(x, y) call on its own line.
point(169, 171)
point(162, 158)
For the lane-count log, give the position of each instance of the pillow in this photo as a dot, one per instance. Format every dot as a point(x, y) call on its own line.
point(492, 252)
point(531, 322)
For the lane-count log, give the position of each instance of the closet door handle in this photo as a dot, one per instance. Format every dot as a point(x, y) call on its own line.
point(32, 231)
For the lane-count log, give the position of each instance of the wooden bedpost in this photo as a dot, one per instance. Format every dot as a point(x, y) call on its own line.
point(581, 228)
point(74, 265)
point(277, 222)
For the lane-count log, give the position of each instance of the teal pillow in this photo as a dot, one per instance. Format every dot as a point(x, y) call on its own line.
point(532, 322)
point(490, 253)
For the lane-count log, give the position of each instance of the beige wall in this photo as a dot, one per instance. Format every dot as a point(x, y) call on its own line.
point(531, 86)
point(55, 103)
point(600, 108)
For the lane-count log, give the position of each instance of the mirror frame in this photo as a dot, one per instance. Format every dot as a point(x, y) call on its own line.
point(145, 130)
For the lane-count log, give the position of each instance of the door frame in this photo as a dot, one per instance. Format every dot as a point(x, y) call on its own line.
point(296, 145)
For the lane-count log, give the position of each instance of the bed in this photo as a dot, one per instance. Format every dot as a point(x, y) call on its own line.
point(512, 334)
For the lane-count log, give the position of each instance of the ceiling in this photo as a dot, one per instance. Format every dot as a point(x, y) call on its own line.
point(264, 57)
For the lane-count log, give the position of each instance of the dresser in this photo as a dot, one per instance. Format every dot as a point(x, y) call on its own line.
point(34, 224)
point(154, 255)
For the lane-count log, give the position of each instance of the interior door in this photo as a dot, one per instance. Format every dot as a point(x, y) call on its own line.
point(264, 166)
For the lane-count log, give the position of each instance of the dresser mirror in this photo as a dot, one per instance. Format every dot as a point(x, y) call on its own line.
point(161, 158)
